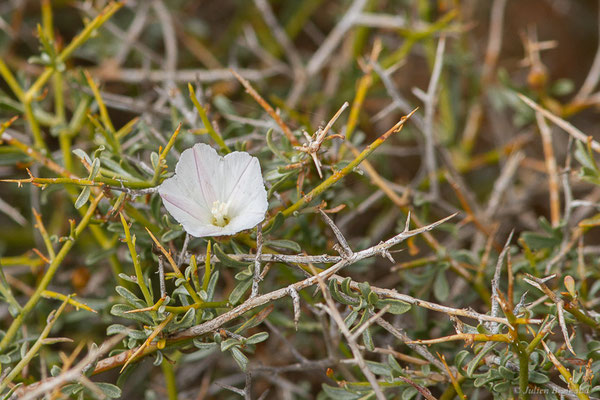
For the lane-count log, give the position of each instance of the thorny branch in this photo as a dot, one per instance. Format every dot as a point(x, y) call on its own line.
point(254, 302)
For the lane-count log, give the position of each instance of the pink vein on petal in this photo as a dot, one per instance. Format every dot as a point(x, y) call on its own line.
point(201, 180)
point(171, 200)
point(239, 179)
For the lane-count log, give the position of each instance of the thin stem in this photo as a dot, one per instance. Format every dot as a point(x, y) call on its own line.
point(160, 164)
point(207, 125)
point(186, 283)
point(11, 81)
point(169, 374)
point(343, 172)
point(47, 278)
point(250, 90)
point(52, 318)
point(108, 125)
point(80, 39)
point(136, 263)
point(523, 371)
point(34, 125)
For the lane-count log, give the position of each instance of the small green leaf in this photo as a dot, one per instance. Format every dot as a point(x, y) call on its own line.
point(257, 338)
point(365, 289)
point(238, 291)
point(94, 256)
point(346, 288)
point(394, 364)
point(351, 318)
point(137, 335)
point(229, 343)
point(277, 222)
point(274, 187)
point(127, 278)
point(538, 241)
point(284, 244)
point(474, 363)
point(82, 155)
point(484, 379)
point(337, 296)
point(228, 261)
point(273, 148)
point(379, 368)
point(119, 310)
point(239, 358)
point(212, 283)
point(368, 340)
point(459, 359)
point(502, 387)
point(409, 393)
point(83, 197)
point(506, 373)
point(396, 306)
point(562, 87)
point(337, 393)
point(187, 320)
point(95, 169)
point(154, 159)
point(538, 378)
point(115, 329)
point(55, 370)
point(130, 297)
point(205, 346)
point(159, 358)
point(111, 391)
point(441, 290)
point(372, 298)
point(171, 235)
point(246, 273)
point(71, 389)
point(585, 157)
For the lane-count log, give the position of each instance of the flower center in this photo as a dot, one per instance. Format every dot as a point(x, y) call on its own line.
point(219, 213)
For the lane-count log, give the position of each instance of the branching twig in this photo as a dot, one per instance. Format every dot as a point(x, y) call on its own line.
point(566, 126)
point(259, 246)
point(430, 100)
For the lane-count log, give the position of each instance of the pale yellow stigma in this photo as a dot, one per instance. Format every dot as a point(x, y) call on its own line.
point(219, 213)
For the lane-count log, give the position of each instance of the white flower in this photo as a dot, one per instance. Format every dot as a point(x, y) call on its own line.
point(212, 195)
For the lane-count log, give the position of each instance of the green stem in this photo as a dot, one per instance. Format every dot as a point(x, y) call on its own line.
point(47, 278)
point(523, 371)
point(209, 128)
point(80, 39)
point(65, 147)
point(339, 174)
point(98, 181)
point(169, 374)
point(163, 155)
point(35, 126)
point(11, 81)
point(207, 268)
point(140, 218)
point(544, 330)
point(52, 318)
point(136, 263)
point(580, 316)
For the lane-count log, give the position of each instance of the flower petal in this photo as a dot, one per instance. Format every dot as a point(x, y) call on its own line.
point(201, 178)
point(247, 220)
point(245, 189)
point(196, 170)
point(181, 205)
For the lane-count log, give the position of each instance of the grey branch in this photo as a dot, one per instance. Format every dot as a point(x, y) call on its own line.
point(258, 301)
